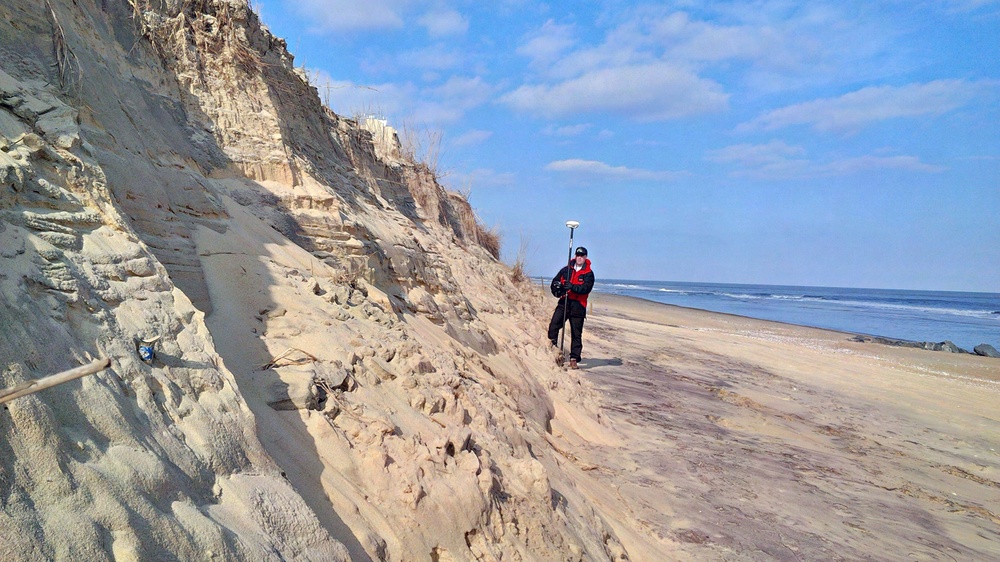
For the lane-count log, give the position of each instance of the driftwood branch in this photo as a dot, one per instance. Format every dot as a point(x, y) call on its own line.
point(284, 355)
point(31, 387)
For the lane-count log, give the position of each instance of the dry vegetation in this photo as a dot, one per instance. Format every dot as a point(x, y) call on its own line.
point(423, 145)
point(489, 238)
point(518, 273)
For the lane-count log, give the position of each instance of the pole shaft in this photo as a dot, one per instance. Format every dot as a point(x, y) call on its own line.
point(569, 259)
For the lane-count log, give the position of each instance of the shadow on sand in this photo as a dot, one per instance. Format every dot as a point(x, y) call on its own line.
point(601, 362)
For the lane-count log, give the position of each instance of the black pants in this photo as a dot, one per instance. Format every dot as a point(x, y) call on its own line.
point(577, 314)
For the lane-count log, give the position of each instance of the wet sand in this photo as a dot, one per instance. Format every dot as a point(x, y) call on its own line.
point(741, 439)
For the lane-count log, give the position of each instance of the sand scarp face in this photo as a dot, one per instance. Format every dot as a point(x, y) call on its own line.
point(343, 368)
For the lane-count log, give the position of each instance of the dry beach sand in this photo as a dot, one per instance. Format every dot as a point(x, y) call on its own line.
point(740, 439)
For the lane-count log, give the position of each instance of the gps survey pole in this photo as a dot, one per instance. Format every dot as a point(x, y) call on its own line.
point(572, 225)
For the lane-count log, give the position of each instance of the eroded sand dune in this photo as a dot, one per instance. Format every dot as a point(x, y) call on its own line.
point(345, 370)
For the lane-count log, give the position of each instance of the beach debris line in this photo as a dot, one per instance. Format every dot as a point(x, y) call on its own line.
point(31, 387)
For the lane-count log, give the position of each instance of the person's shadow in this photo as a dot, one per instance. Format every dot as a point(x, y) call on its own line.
point(609, 362)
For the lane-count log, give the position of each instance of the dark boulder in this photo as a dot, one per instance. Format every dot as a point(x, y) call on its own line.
point(946, 345)
point(950, 347)
point(986, 350)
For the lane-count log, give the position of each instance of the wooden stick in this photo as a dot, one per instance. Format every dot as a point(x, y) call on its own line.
point(31, 387)
point(285, 353)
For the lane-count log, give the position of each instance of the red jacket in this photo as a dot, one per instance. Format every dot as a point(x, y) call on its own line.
point(580, 282)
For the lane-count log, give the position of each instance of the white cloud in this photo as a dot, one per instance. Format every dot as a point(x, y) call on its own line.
point(774, 160)
point(480, 177)
point(654, 63)
point(688, 39)
point(777, 160)
point(595, 169)
point(548, 44)
point(449, 102)
point(764, 45)
point(715, 43)
point(615, 52)
point(348, 15)
point(468, 92)
point(755, 154)
point(866, 163)
point(647, 142)
point(349, 98)
point(566, 131)
point(472, 138)
point(404, 103)
point(652, 92)
point(851, 112)
point(783, 42)
point(444, 22)
point(432, 57)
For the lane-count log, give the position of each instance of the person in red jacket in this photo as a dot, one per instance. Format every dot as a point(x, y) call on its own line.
point(571, 286)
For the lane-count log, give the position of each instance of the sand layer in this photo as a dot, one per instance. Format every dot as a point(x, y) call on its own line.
point(740, 439)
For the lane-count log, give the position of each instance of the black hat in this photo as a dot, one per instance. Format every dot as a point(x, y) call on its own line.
point(581, 251)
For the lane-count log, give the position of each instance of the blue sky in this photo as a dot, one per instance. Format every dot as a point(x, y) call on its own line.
point(805, 143)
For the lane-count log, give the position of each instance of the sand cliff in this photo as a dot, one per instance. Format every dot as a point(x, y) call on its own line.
point(344, 370)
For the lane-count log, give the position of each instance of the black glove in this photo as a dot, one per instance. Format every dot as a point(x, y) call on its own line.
point(559, 289)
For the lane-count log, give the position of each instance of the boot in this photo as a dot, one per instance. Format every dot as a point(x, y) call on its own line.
point(572, 364)
point(560, 360)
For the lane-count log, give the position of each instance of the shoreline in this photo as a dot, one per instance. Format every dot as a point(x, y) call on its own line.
point(940, 345)
point(739, 438)
point(839, 339)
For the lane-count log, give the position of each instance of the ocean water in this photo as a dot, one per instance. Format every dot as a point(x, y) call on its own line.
point(967, 319)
